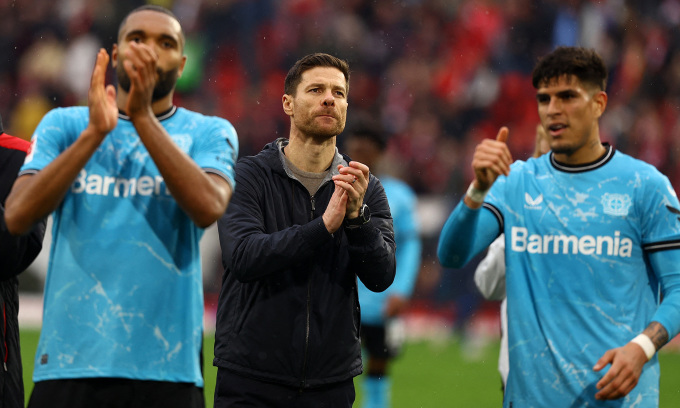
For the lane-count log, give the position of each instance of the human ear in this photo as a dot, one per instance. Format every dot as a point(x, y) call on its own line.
point(600, 100)
point(288, 104)
point(114, 56)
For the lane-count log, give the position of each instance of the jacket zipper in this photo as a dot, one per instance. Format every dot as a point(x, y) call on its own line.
point(4, 334)
point(309, 312)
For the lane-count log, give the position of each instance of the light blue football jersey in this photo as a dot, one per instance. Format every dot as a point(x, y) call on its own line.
point(124, 292)
point(579, 280)
point(402, 201)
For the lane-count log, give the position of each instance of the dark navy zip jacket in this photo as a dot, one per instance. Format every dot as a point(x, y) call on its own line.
point(16, 254)
point(288, 309)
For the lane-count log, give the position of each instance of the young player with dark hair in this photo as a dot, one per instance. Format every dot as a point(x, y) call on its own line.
point(592, 239)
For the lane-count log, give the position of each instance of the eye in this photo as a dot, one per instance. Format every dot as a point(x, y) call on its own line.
point(543, 99)
point(340, 94)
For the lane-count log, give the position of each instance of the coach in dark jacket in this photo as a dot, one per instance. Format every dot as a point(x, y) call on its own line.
point(16, 254)
point(303, 224)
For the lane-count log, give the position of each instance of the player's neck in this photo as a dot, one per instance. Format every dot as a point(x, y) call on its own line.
point(588, 153)
point(158, 107)
point(309, 154)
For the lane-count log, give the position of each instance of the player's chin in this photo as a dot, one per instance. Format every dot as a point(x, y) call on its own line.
point(327, 130)
point(559, 147)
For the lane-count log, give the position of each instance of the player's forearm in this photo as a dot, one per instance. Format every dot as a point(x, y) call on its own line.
point(461, 239)
point(665, 265)
point(34, 197)
point(650, 340)
point(657, 333)
point(202, 196)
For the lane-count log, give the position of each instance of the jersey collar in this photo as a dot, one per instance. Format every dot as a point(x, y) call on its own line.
point(161, 116)
point(579, 168)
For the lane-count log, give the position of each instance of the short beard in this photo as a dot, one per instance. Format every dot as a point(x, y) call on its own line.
point(566, 150)
point(320, 133)
point(164, 85)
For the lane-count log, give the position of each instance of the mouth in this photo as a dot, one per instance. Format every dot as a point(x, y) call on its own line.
point(327, 116)
point(556, 129)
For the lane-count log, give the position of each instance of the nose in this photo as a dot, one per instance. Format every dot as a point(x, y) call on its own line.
point(554, 106)
point(328, 99)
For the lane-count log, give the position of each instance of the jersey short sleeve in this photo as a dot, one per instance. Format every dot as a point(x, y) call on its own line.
point(217, 150)
point(53, 135)
point(660, 215)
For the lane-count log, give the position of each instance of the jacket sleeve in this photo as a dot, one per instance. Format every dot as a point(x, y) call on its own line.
point(371, 246)
point(465, 234)
point(17, 252)
point(249, 251)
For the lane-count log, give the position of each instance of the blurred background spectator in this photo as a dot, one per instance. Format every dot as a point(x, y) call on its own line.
point(439, 74)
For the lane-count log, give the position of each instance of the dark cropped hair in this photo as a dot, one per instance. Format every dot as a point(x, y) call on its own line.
point(582, 63)
point(310, 61)
point(159, 9)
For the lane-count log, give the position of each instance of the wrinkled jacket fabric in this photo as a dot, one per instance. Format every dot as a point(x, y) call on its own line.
point(288, 309)
point(16, 254)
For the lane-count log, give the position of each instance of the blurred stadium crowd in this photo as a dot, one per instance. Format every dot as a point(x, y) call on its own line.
point(438, 74)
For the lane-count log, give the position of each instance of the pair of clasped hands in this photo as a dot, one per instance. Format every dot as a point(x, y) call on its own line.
point(140, 65)
point(348, 197)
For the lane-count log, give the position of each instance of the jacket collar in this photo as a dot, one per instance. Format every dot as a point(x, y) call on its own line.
point(281, 142)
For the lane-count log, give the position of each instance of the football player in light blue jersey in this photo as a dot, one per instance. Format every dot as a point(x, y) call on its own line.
point(592, 241)
point(131, 181)
point(382, 329)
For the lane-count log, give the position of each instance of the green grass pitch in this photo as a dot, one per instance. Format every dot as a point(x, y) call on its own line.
point(427, 375)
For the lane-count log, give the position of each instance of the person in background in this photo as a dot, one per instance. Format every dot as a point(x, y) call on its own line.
point(382, 329)
point(592, 249)
point(16, 254)
point(131, 181)
point(303, 225)
point(490, 272)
